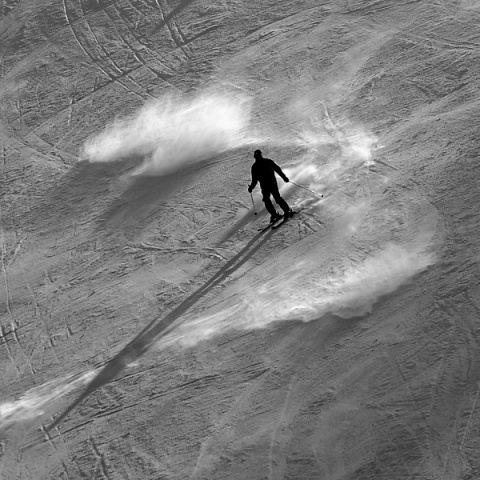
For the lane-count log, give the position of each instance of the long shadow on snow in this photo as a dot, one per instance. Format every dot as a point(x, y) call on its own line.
point(160, 326)
point(248, 218)
point(144, 197)
point(86, 191)
point(77, 193)
point(141, 199)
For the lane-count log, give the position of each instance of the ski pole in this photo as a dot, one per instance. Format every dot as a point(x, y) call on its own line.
point(253, 203)
point(308, 189)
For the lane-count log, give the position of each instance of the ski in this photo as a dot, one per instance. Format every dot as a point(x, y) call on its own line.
point(270, 225)
point(285, 220)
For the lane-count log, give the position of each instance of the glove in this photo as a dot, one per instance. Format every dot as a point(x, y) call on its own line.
point(250, 189)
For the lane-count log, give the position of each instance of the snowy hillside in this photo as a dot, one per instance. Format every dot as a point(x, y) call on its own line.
point(151, 327)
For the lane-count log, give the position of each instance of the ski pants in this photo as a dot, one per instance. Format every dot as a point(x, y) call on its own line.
point(273, 191)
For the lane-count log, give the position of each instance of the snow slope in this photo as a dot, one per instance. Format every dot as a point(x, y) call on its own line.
point(149, 330)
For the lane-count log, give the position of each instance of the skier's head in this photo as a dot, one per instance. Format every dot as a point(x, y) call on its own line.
point(257, 154)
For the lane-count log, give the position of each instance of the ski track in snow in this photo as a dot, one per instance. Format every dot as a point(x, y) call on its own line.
point(342, 345)
point(302, 287)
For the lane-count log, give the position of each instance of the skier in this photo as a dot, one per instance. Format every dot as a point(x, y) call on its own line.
point(263, 171)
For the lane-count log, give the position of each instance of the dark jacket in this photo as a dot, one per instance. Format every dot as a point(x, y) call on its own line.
point(263, 171)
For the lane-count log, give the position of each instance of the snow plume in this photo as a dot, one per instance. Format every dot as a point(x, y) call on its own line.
point(304, 290)
point(308, 295)
point(175, 130)
point(334, 152)
point(32, 404)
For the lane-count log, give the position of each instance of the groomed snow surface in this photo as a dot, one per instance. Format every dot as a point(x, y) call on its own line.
point(149, 329)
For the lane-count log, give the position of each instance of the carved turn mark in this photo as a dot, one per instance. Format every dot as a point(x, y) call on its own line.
point(439, 43)
point(10, 356)
point(385, 164)
point(175, 32)
point(116, 22)
point(100, 459)
point(15, 252)
point(127, 60)
point(137, 48)
point(99, 55)
point(474, 407)
point(67, 327)
point(70, 108)
point(38, 99)
point(189, 250)
point(3, 265)
point(65, 470)
point(38, 313)
point(277, 465)
point(101, 50)
point(15, 336)
point(80, 43)
point(48, 438)
point(13, 323)
point(18, 107)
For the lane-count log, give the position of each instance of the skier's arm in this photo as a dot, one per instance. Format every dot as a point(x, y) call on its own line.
point(254, 181)
point(278, 170)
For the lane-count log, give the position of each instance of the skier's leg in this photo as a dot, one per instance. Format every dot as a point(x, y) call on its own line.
point(281, 202)
point(268, 204)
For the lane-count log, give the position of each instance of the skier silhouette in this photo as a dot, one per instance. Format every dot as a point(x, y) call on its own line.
point(263, 171)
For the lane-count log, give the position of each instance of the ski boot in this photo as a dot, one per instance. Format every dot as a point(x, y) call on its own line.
point(274, 218)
